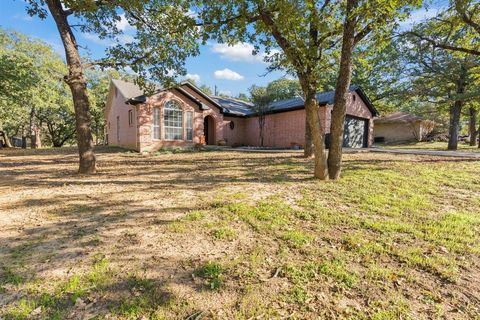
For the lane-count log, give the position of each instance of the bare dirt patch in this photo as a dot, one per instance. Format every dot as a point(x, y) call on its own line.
point(230, 235)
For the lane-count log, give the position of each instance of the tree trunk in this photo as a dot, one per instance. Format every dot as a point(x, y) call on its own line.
point(473, 126)
point(78, 85)
point(35, 140)
point(308, 150)
point(96, 135)
point(7, 142)
point(342, 90)
point(318, 137)
point(24, 139)
point(32, 129)
point(261, 126)
point(38, 139)
point(455, 113)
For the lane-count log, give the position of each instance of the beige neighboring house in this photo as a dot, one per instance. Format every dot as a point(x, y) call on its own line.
point(401, 127)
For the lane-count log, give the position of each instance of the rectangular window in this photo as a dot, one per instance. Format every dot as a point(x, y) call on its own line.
point(130, 118)
point(156, 123)
point(173, 121)
point(189, 125)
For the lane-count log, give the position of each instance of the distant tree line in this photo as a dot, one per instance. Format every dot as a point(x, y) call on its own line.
point(37, 105)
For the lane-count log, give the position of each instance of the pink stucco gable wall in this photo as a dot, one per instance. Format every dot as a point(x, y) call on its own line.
point(116, 107)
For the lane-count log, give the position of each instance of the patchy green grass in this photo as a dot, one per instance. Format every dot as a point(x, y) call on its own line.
point(228, 235)
point(436, 145)
point(224, 233)
point(212, 273)
point(51, 302)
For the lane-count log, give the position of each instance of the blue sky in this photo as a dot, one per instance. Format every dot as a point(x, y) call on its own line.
point(231, 69)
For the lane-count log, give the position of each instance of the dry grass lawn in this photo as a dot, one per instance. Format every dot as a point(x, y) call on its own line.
point(227, 235)
point(435, 145)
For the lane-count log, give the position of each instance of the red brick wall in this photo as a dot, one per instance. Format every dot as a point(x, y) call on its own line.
point(235, 136)
point(288, 128)
point(146, 141)
point(356, 108)
point(281, 129)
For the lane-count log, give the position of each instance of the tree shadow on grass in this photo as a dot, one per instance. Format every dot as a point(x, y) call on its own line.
point(198, 174)
point(75, 238)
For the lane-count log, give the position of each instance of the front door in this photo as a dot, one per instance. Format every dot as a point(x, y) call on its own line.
point(205, 129)
point(209, 130)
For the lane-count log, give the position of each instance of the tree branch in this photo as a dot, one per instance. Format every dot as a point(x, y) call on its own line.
point(282, 41)
point(465, 17)
point(444, 45)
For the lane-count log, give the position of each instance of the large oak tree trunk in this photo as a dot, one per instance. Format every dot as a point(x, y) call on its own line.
point(318, 137)
point(455, 114)
point(341, 96)
point(308, 149)
point(78, 85)
point(473, 126)
point(455, 111)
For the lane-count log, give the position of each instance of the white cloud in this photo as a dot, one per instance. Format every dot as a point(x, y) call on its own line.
point(195, 77)
point(192, 14)
point(419, 16)
point(227, 74)
point(241, 51)
point(225, 93)
point(125, 38)
point(123, 24)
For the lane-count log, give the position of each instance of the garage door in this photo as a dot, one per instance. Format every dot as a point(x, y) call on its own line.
point(354, 134)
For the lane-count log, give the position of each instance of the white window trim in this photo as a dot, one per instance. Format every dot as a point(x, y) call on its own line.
point(153, 123)
point(187, 128)
point(183, 122)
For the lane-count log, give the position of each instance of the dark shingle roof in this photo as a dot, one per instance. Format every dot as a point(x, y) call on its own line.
point(235, 107)
point(131, 91)
point(241, 108)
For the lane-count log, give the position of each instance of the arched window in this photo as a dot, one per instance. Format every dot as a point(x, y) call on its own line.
point(173, 121)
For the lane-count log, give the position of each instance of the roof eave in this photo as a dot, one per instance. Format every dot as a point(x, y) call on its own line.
point(203, 94)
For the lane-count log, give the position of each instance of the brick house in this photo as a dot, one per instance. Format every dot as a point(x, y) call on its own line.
point(185, 116)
